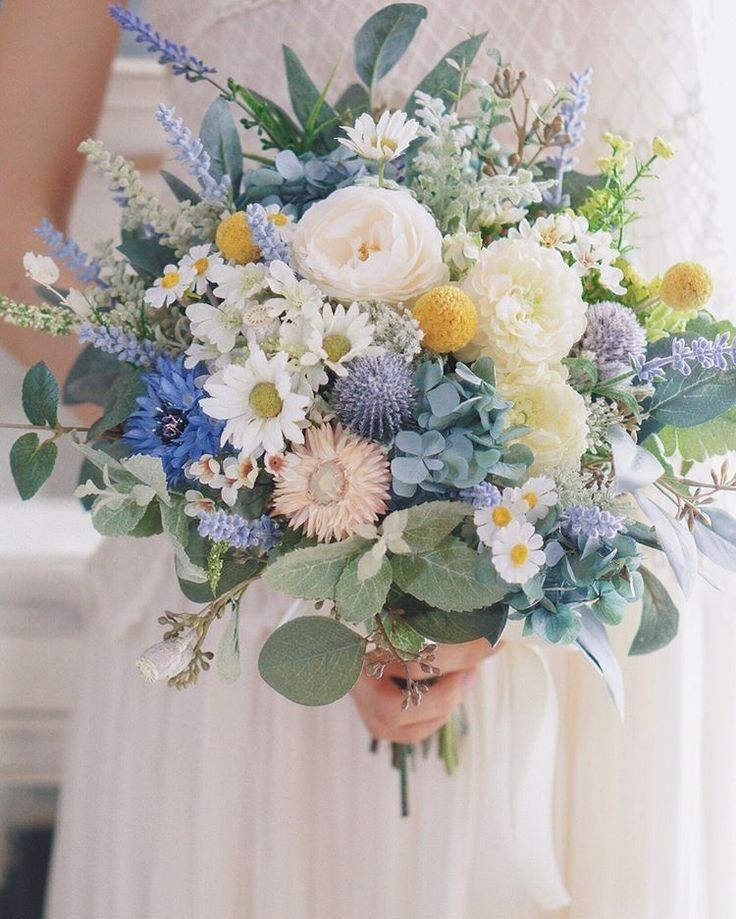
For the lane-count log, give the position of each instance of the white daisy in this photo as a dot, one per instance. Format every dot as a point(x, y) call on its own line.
point(237, 284)
point(293, 336)
point(240, 471)
point(292, 295)
point(384, 140)
point(257, 404)
point(202, 262)
point(41, 269)
point(490, 520)
point(196, 502)
point(337, 336)
point(207, 471)
point(539, 494)
point(517, 552)
point(170, 287)
point(217, 325)
point(198, 352)
point(282, 220)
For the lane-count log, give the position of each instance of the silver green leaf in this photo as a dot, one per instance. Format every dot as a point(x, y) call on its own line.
point(428, 524)
point(313, 573)
point(228, 652)
point(659, 617)
point(357, 600)
point(383, 39)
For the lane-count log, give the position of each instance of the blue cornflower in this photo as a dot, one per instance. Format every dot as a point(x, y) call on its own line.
point(124, 345)
point(265, 235)
point(590, 523)
point(376, 397)
point(192, 154)
point(86, 268)
point(182, 62)
point(169, 422)
point(485, 494)
point(238, 532)
point(572, 112)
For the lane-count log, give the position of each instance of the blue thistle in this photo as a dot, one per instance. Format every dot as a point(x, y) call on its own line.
point(169, 422)
point(614, 336)
point(87, 269)
point(265, 235)
point(238, 532)
point(123, 345)
point(376, 397)
point(178, 56)
point(192, 154)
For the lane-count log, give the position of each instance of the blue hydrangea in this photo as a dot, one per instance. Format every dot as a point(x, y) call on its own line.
point(234, 530)
point(614, 336)
point(376, 397)
point(591, 523)
point(123, 345)
point(169, 422)
point(265, 235)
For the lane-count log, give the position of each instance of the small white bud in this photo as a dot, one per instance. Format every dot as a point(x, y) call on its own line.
point(167, 658)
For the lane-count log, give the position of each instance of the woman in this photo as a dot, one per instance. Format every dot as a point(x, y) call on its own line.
point(227, 801)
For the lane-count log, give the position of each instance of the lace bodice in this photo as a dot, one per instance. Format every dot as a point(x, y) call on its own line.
point(645, 78)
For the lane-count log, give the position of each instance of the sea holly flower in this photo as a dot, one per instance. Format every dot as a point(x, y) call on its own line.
point(376, 396)
point(613, 336)
point(383, 140)
point(517, 552)
point(202, 261)
point(170, 287)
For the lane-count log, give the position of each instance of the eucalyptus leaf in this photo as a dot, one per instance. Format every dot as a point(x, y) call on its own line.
point(593, 641)
point(31, 463)
point(677, 543)
point(147, 257)
point(221, 140)
point(121, 402)
point(313, 573)
point(659, 617)
point(450, 628)
point(312, 660)
point(443, 81)
point(41, 396)
point(228, 652)
point(382, 40)
point(352, 103)
point(91, 377)
point(357, 600)
point(180, 190)
point(309, 105)
point(717, 540)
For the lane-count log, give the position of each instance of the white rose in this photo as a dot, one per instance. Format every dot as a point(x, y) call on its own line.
point(530, 305)
point(556, 414)
point(41, 269)
point(368, 243)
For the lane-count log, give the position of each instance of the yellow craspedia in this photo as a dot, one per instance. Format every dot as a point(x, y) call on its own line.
point(235, 240)
point(448, 318)
point(686, 286)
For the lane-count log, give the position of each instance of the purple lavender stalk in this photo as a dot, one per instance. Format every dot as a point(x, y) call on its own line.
point(86, 268)
point(572, 112)
point(193, 154)
point(717, 354)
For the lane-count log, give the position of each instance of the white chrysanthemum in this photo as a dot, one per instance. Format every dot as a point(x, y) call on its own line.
point(240, 471)
point(462, 250)
point(202, 261)
point(220, 326)
point(236, 284)
point(293, 295)
point(336, 336)
point(517, 552)
point(170, 287)
point(257, 403)
point(539, 494)
point(530, 305)
point(490, 520)
point(556, 415)
point(41, 269)
point(382, 140)
point(553, 231)
point(368, 243)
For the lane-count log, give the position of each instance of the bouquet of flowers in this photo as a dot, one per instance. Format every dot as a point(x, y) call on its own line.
point(399, 364)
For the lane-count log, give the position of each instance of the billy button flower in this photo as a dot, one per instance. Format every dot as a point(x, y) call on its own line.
point(234, 238)
point(686, 286)
point(447, 317)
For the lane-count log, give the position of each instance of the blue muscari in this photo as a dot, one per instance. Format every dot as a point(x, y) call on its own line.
point(192, 154)
point(238, 532)
point(169, 422)
point(485, 494)
point(572, 112)
point(86, 268)
point(265, 235)
point(178, 56)
point(124, 345)
point(590, 523)
point(717, 354)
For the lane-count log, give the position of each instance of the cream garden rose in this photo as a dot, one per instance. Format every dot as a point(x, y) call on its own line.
point(556, 414)
point(364, 242)
point(530, 305)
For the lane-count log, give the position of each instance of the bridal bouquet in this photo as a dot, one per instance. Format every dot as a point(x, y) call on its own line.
point(400, 364)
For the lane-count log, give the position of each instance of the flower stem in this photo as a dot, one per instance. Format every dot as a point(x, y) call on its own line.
point(447, 741)
point(8, 426)
point(401, 753)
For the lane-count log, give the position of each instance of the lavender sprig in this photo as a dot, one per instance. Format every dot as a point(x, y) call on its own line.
point(124, 345)
point(265, 235)
point(238, 532)
point(572, 112)
point(178, 56)
point(591, 523)
point(717, 354)
point(192, 154)
point(86, 268)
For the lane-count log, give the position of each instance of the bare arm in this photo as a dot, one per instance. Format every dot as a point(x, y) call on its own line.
point(54, 61)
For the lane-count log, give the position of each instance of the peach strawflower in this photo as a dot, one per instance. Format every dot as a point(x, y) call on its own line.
point(340, 481)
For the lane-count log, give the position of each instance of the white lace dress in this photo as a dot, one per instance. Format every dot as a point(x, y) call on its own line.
point(227, 802)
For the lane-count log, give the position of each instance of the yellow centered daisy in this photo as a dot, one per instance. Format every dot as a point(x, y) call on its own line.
point(519, 554)
point(336, 347)
point(278, 219)
point(170, 280)
point(501, 516)
point(235, 240)
point(531, 499)
point(448, 318)
point(200, 266)
point(265, 400)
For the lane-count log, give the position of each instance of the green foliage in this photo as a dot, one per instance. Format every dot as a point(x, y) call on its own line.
point(228, 652)
point(352, 103)
point(449, 628)
point(400, 633)
point(41, 396)
point(91, 377)
point(31, 462)
point(383, 39)
point(313, 573)
point(150, 523)
point(312, 660)
point(428, 524)
point(276, 129)
point(180, 190)
point(445, 578)
point(147, 256)
point(357, 600)
point(443, 81)
point(118, 518)
point(318, 119)
point(659, 617)
point(695, 444)
point(221, 140)
point(120, 403)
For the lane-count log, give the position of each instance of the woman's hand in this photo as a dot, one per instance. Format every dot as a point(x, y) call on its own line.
point(379, 700)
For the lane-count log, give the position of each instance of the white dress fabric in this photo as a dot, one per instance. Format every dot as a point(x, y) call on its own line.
point(228, 802)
